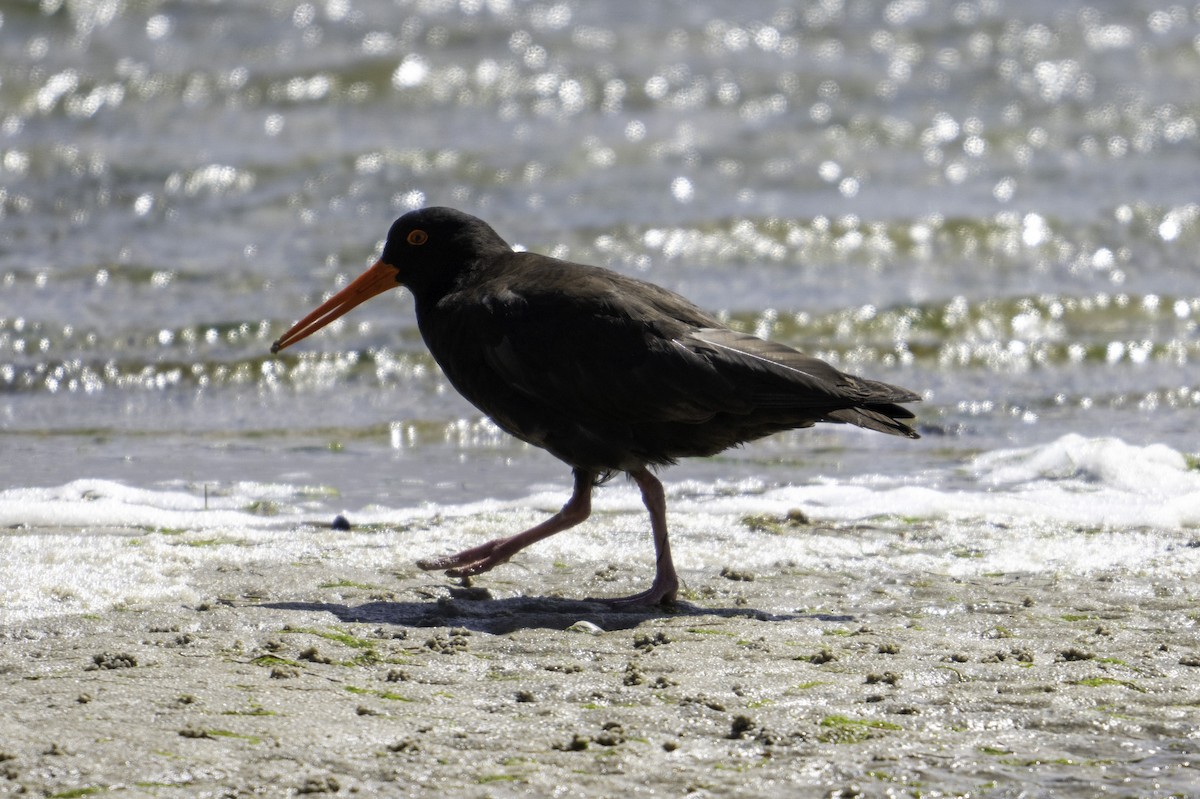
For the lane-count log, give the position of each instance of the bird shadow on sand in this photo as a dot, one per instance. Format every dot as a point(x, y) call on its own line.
point(500, 616)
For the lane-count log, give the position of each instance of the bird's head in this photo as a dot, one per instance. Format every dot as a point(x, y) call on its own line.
point(426, 251)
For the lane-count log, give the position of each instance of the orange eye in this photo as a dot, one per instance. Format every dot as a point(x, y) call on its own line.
point(418, 237)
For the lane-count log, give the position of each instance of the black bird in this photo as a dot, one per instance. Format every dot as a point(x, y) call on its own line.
point(607, 373)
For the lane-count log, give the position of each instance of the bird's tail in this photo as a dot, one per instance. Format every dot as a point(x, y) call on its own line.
point(877, 408)
point(882, 418)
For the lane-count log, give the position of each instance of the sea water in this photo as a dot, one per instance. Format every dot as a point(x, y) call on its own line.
point(991, 202)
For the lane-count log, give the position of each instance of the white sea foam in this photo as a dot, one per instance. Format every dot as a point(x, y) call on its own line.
point(1083, 482)
point(1073, 505)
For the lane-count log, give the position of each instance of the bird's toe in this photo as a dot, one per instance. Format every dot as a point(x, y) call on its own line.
point(436, 564)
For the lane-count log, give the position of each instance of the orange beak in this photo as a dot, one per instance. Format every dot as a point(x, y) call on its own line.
point(376, 280)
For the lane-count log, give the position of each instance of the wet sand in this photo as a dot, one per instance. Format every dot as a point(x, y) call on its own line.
point(313, 678)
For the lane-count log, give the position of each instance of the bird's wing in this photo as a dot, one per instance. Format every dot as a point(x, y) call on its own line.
point(789, 376)
point(603, 365)
point(789, 382)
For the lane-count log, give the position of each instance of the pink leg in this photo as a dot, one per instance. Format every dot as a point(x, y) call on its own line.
point(487, 556)
point(666, 581)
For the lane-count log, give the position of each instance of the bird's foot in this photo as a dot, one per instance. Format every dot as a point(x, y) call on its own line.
point(470, 562)
point(662, 592)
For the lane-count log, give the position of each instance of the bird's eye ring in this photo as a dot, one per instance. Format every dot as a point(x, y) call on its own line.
point(417, 237)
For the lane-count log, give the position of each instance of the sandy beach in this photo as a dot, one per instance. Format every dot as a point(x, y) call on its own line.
point(316, 678)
